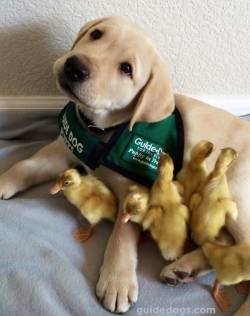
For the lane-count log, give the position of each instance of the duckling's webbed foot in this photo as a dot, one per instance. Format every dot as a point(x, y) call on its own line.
point(221, 297)
point(82, 234)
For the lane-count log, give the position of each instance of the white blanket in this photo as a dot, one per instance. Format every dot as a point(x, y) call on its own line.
point(43, 271)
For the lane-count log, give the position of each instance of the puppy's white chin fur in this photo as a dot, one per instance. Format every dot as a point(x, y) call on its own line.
point(91, 111)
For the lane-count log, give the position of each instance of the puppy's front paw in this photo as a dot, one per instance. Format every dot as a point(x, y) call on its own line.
point(176, 273)
point(117, 288)
point(185, 269)
point(9, 186)
point(12, 181)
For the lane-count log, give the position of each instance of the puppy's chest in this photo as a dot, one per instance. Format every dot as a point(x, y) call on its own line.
point(134, 154)
point(116, 182)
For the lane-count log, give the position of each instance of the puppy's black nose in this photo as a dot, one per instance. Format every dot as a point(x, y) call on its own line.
point(74, 70)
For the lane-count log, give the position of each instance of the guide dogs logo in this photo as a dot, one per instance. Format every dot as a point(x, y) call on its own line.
point(143, 151)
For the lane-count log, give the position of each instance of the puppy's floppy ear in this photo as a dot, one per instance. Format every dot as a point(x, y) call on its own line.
point(85, 29)
point(156, 100)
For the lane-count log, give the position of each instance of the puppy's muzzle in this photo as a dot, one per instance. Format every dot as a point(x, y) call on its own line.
point(75, 71)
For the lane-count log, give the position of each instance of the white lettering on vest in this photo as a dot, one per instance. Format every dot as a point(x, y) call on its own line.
point(70, 140)
point(149, 146)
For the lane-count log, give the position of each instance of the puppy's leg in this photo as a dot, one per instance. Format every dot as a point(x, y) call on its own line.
point(185, 269)
point(41, 167)
point(117, 287)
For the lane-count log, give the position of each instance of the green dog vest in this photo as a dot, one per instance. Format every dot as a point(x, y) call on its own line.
point(133, 154)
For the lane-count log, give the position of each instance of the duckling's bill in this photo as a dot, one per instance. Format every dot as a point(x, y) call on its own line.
point(56, 188)
point(125, 217)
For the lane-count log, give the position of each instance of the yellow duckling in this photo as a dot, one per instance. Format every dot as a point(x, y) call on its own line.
point(232, 266)
point(160, 210)
point(91, 196)
point(194, 172)
point(213, 203)
point(136, 204)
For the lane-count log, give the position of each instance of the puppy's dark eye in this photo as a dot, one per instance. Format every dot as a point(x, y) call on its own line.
point(96, 34)
point(126, 68)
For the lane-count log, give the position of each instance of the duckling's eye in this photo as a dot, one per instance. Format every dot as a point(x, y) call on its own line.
point(66, 182)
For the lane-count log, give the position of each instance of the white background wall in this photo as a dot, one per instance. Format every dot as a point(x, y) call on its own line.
point(207, 42)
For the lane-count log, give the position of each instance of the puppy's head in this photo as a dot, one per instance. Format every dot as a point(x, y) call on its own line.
point(113, 65)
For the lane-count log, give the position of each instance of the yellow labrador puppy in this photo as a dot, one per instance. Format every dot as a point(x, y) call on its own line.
point(114, 74)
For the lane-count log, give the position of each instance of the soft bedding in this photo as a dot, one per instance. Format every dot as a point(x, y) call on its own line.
point(43, 271)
